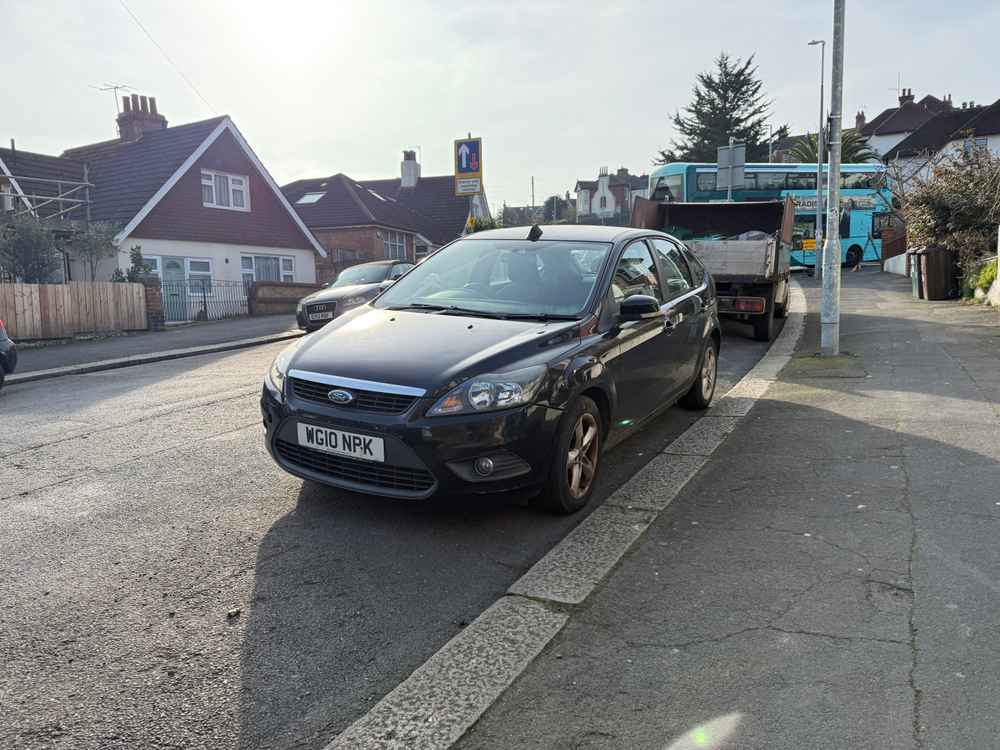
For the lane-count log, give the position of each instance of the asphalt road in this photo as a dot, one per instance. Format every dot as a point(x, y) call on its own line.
point(164, 585)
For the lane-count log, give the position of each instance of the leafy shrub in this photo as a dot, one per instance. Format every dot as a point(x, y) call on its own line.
point(958, 208)
point(987, 276)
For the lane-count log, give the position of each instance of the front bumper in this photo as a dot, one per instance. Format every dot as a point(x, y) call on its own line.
point(423, 456)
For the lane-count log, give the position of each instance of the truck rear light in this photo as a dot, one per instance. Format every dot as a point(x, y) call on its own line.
point(749, 304)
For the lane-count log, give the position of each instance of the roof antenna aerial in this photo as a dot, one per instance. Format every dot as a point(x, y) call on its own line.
point(535, 233)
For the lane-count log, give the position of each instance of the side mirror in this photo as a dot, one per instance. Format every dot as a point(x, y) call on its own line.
point(639, 307)
point(386, 284)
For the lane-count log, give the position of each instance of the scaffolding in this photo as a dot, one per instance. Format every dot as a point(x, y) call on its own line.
point(45, 198)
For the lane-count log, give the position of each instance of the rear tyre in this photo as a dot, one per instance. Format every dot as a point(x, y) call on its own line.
point(781, 310)
point(703, 389)
point(576, 461)
point(763, 325)
point(853, 256)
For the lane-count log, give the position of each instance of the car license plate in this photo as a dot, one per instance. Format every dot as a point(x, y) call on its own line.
point(321, 316)
point(342, 443)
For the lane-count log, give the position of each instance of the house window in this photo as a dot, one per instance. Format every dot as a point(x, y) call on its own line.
point(199, 275)
point(310, 198)
point(973, 144)
point(420, 251)
point(604, 202)
point(267, 268)
point(223, 190)
point(395, 244)
point(153, 261)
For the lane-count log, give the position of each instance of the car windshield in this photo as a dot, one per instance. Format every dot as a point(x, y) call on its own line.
point(362, 275)
point(506, 278)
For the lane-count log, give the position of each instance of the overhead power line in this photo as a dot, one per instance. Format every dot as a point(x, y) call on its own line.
point(166, 56)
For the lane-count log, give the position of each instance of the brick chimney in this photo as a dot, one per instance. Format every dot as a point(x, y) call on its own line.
point(409, 169)
point(139, 116)
point(859, 120)
point(906, 96)
point(622, 172)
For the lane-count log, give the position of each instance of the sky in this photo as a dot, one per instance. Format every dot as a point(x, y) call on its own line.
point(556, 90)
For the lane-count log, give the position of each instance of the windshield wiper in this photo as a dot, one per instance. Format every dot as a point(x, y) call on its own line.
point(418, 306)
point(537, 316)
point(445, 309)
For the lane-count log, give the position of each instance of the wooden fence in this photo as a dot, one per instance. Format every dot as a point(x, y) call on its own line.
point(51, 311)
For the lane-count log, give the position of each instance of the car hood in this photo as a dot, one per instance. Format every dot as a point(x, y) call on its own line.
point(340, 292)
point(425, 350)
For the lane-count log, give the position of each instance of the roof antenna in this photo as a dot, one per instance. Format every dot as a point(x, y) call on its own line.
point(535, 233)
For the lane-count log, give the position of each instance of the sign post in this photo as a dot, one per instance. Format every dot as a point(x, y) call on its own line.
point(732, 159)
point(469, 166)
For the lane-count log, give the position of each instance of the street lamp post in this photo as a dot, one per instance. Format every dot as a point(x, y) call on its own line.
point(830, 300)
point(817, 260)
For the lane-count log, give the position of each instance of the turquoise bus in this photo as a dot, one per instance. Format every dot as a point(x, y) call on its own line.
point(865, 201)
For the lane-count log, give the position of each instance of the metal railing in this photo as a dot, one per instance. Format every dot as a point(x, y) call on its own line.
point(204, 299)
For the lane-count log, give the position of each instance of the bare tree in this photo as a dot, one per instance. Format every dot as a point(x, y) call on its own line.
point(92, 244)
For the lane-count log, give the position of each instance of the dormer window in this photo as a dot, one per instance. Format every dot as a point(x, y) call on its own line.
point(224, 190)
point(310, 198)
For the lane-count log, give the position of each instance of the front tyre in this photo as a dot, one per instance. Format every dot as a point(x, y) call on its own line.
point(575, 465)
point(703, 389)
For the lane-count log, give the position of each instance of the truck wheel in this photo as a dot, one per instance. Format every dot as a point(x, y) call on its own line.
point(854, 256)
point(781, 311)
point(576, 459)
point(763, 325)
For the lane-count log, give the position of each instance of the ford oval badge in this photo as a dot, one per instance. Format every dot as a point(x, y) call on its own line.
point(341, 397)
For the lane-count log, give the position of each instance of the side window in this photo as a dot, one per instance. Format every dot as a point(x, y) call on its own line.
point(676, 274)
point(399, 270)
point(636, 274)
point(697, 269)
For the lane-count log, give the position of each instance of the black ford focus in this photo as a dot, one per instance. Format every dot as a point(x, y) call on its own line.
point(507, 361)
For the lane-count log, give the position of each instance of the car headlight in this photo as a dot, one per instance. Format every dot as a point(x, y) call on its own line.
point(279, 367)
point(352, 301)
point(491, 392)
point(299, 307)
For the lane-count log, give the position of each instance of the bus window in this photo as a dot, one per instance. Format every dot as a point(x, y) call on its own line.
point(771, 181)
point(801, 181)
point(858, 181)
point(669, 188)
point(706, 181)
point(879, 222)
point(804, 232)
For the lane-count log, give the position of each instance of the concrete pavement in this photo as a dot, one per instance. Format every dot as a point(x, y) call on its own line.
point(163, 584)
point(138, 344)
point(829, 579)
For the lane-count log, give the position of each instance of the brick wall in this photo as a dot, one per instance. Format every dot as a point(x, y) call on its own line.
point(276, 297)
point(154, 302)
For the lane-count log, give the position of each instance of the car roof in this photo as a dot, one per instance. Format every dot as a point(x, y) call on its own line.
point(564, 232)
point(379, 263)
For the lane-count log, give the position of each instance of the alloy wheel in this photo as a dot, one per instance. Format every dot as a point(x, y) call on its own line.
point(582, 456)
point(709, 372)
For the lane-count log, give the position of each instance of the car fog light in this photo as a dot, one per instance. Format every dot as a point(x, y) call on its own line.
point(483, 466)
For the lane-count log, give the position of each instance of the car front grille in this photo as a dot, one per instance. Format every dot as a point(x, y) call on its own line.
point(369, 401)
point(381, 476)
